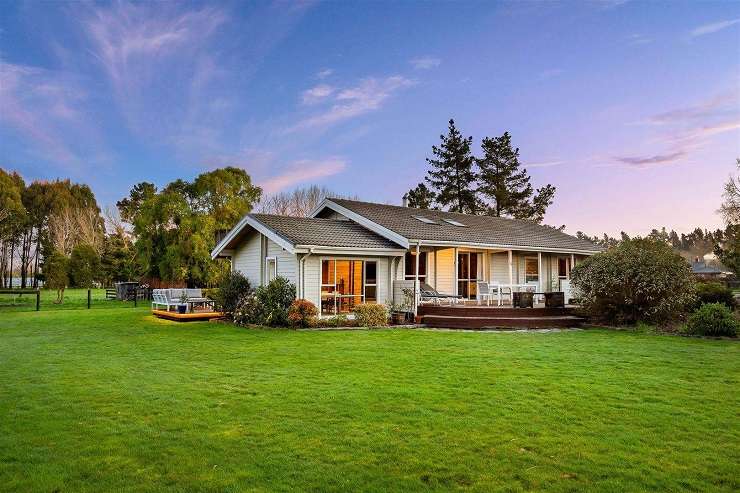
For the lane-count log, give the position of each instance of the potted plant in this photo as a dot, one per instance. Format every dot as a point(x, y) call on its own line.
point(182, 308)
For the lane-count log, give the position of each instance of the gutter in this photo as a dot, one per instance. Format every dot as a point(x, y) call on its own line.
point(301, 273)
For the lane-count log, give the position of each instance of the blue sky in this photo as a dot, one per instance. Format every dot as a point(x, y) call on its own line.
point(631, 109)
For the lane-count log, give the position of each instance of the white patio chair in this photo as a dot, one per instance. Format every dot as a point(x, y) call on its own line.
point(483, 292)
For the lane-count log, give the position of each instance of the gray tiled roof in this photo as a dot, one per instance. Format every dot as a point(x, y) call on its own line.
point(323, 232)
point(477, 229)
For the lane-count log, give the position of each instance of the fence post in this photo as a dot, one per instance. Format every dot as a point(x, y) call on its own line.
point(136, 295)
point(88, 298)
point(38, 299)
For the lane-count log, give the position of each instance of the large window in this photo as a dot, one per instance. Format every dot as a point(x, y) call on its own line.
point(467, 274)
point(345, 283)
point(410, 270)
point(531, 270)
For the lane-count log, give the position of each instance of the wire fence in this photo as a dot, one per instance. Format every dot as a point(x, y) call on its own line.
point(16, 300)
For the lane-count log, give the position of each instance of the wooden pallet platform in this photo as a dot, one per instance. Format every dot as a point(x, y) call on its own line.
point(186, 317)
point(494, 317)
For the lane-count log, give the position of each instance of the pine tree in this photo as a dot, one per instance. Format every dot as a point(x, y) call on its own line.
point(421, 197)
point(506, 185)
point(453, 176)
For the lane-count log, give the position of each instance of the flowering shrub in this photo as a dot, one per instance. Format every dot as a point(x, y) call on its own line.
point(301, 313)
point(638, 280)
point(713, 319)
point(371, 315)
point(340, 320)
point(248, 311)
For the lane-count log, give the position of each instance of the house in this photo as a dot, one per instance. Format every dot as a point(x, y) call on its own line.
point(709, 271)
point(348, 252)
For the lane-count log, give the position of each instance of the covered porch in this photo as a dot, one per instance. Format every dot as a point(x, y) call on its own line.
point(461, 271)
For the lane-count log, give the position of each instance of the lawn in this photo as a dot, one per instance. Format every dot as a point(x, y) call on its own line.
point(112, 399)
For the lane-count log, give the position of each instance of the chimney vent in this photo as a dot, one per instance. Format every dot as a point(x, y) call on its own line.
point(405, 201)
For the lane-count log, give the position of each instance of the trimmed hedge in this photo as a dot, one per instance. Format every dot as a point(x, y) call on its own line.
point(714, 292)
point(371, 315)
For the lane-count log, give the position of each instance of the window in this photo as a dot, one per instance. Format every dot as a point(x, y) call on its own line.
point(563, 268)
point(410, 270)
point(453, 222)
point(531, 270)
point(271, 263)
point(345, 283)
point(425, 220)
point(467, 274)
point(371, 282)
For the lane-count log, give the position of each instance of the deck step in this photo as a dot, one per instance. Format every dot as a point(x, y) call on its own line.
point(497, 322)
point(486, 311)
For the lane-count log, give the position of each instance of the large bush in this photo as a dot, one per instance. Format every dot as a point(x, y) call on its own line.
point(276, 299)
point(638, 280)
point(84, 266)
point(302, 313)
point(232, 288)
point(714, 292)
point(713, 319)
point(248, 311)
point(371, 315)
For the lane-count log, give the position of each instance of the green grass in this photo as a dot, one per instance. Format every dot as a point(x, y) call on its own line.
point(114, 400)
point(74, 299)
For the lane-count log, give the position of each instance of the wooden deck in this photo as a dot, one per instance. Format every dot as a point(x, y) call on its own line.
point(495, 317)
point(186, 317)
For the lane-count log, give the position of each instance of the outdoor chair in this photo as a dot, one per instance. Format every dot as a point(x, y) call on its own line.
point(483, 292)
point(428, 294)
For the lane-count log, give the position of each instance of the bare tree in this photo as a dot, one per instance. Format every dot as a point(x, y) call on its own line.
point(299, 202)
point(90, 228)
point(70, 227)
point(730, 208)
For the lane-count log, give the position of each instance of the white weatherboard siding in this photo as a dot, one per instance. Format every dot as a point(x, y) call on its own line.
point(246, 258)
point(287, 263)
point(312, 276)
point(249, 259)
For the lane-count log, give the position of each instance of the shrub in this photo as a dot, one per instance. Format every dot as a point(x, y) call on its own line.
point(340, 320)
point(84, 266)
point(714, 292)
point(713, 319)
point(371, 315)
point(276, 299)
point(301, 313)
point(232, 288)
point(248, 311)
point(638, 280)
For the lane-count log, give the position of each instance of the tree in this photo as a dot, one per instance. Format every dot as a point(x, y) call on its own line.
point(453, 175)
point(175, 227)
point(730, 208)
point(57, 274)
point(84, 266)
point(421, 197)
point(299, 202)
point(13, 216)
point(506, 185)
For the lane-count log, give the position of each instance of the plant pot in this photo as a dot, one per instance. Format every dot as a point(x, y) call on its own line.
point(397, 318)
point(555, 299)
point(526, 300)
point(182, 309)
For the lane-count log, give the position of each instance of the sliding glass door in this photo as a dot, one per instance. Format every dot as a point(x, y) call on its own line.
point(467, 274)
point(346, 283)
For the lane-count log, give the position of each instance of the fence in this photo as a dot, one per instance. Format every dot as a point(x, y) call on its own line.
point(12, 300)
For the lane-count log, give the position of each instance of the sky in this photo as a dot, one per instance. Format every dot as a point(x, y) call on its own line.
point(631, 109)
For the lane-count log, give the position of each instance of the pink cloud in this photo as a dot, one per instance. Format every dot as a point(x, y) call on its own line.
point(303, 170)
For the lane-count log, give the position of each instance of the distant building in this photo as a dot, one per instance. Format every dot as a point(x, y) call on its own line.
point(705, 268)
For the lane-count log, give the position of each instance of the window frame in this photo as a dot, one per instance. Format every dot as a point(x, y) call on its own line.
point(267, 269)
point(537, 267)
point(362, 296)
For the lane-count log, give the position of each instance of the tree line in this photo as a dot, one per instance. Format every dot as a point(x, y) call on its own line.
point(492, 184)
